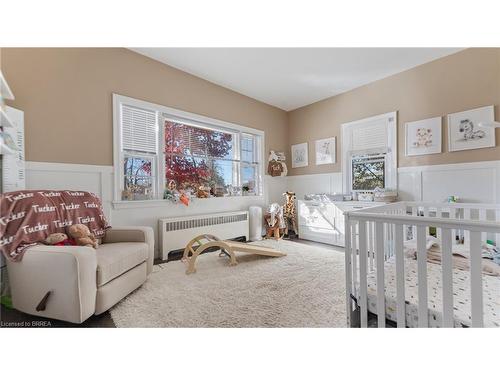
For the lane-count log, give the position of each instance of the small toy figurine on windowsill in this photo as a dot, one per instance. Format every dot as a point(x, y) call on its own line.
point(173, 195)
point(171, 192)
point(203, 192)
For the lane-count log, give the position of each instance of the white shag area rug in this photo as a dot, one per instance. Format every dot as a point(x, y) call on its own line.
point(306, 288)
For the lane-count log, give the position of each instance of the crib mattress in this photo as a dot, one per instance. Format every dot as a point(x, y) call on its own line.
point(461, 295)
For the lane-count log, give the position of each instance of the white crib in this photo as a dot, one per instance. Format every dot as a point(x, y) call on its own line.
point(376, 236)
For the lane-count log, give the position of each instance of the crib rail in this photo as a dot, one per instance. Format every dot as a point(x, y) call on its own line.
point(375, 234)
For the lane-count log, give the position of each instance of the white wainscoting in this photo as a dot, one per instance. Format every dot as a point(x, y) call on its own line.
point(99, 180)
point(327, 183)
point(472, 182)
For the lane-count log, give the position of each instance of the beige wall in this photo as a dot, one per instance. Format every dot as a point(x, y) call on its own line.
point(465, 80)
point(66, 95)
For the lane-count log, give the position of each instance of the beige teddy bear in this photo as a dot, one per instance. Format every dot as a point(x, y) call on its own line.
point(56, 239)
point(82, 236)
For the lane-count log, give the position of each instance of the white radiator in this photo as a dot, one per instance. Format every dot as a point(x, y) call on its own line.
point(176, 232)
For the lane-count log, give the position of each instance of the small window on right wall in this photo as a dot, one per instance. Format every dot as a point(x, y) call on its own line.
point(369, 156)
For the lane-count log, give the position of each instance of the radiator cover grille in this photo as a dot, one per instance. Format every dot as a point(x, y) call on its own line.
point(204, 222)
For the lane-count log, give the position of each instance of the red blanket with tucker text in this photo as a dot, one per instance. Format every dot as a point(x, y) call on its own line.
point(27, 217)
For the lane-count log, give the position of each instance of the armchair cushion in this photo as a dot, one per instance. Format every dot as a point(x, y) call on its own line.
point(133, 234)
point(114, 259)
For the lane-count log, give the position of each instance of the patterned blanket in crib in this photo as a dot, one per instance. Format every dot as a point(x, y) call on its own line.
point(460, 258)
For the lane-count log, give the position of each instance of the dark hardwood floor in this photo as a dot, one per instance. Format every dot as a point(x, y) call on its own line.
point(11, 318)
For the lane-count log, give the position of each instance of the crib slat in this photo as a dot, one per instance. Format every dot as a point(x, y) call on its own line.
point(348, 265)
point(476, 286)
point(482, 217)
point(355, 248)
point(380, 259)
point(453, 215)
point(371, 238)
point(400, 278)
point(466, 233)
point(390, 243)
point(497, 236)
point(447, 277)
point(363, 274)
point(438, 214)
point(370, 247)
point(426, 214)
point(422, 276)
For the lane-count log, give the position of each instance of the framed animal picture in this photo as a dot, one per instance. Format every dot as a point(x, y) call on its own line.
point(423, 137)
point(464, 132)
point(325, 151)
point(300, 155)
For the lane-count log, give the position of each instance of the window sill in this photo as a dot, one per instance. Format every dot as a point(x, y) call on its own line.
point(119, 205)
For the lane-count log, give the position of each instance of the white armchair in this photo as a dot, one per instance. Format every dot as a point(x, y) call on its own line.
point(71, 283)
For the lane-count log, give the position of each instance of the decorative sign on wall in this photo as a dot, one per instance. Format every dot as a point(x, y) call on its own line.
point(299, 155)
point(325, 151)
point(464, 132)
point(276, 164)
point(423, 137)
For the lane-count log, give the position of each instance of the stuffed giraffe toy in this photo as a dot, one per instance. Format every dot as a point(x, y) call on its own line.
point(289, 211)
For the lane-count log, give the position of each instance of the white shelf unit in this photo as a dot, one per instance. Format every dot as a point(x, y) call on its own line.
point(13, 164)
point(5, 121)
point(5, 91)
point(4, 149)
point(6, 124)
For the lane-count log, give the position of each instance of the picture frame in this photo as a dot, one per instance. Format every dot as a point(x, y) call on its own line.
point(423, 137)
point(325, 151)
point(464, 132)
point(300, 156)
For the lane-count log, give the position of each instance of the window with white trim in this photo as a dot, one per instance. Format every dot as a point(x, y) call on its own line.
point(139, 150)
point(157, 145)
point(370, 153)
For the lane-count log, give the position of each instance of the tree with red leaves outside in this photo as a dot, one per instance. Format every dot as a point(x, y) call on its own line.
point(189, 151)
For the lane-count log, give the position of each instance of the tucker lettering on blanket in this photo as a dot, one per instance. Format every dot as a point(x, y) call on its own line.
point(27, 217)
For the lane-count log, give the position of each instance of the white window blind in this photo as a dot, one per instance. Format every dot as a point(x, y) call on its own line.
point(370, 136)
point(139, 130)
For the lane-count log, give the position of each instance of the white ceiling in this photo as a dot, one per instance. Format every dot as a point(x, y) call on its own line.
point(289, 78)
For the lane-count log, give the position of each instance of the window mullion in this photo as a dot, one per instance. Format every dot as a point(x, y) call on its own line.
point(237, 162)
point(161, 157)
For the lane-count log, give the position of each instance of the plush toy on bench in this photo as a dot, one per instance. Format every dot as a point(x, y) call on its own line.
point(206, 241)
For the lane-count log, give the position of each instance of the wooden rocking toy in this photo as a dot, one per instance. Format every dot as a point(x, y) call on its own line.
point(206, 241)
